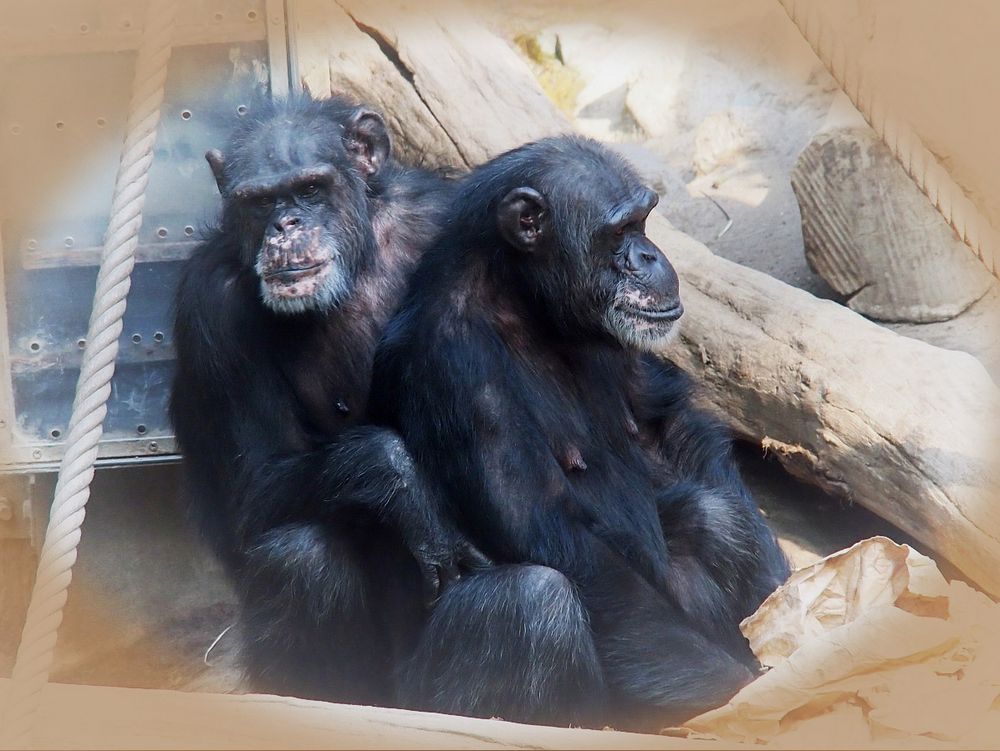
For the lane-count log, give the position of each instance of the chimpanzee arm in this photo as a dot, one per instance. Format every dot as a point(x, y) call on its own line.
point(365, 472)
point(466, 424)
point(248, 444)
point(708, 505)
point(687, 438)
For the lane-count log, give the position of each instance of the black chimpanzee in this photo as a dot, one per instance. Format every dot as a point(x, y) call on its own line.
point(320, 519)
point(519, 373)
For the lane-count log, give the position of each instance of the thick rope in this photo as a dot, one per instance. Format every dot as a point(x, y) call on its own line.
point(920, 164)
point(55, 568)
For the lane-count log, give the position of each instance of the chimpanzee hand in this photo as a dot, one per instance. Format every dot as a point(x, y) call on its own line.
point(369, 468)
point(443, 560)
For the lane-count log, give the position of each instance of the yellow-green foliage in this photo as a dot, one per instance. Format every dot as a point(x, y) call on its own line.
point(560, 83)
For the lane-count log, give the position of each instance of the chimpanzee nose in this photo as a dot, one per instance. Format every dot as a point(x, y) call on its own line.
point(644, 259)
point(653, 268)
point(286, 223)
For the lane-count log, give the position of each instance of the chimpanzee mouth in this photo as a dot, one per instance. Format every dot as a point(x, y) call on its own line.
point(667, 315)
point(290, 274)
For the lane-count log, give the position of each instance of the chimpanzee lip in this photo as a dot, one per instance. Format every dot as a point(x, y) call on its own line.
point(654, 314)
point(292, 273)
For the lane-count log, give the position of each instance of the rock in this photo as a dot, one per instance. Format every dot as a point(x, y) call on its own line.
point(722, 139)
point(875, 238)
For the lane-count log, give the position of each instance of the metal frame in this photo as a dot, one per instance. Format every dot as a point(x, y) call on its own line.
point(17, 453)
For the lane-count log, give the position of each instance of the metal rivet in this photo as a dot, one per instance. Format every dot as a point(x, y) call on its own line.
point(189, 230)
point(158, 337)
point(32, 243)
point(36, 454)
point(60, 125)
point(140, 429)
point(84, 28)
point(217, 16)
point(241, 110)
point(68, 242)
point(251, 15)
point(81, 343)
point(161, 232)
point(55, 433)
point(101, 122)
point(35, 346)
point(137, 338)
point(186, 115)
point(154, 446)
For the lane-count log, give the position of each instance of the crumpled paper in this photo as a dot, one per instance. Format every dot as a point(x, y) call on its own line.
point(869, 646)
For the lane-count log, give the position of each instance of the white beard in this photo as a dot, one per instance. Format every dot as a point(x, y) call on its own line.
point(332, 290)
point(638, 333)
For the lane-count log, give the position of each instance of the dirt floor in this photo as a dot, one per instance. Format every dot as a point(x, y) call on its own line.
point(712, 101)
point(148, 600)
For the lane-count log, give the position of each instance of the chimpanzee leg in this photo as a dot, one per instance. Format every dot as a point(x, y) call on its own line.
point(309, 626)
point(513, 642)
point(724, 559)
point(658, 668)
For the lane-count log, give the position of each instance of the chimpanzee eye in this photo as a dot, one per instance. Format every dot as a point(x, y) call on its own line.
point(263, 203)
point(309, 189)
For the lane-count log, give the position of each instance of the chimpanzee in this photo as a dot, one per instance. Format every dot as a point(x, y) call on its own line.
point(519, 372)
point(320, 519)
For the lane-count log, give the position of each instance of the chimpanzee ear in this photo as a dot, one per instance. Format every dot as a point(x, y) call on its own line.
point(522, 218)
point(217, 162)
point(367, 142)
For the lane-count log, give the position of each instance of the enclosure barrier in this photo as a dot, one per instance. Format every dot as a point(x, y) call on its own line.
point(62, 536)
point(918, 161)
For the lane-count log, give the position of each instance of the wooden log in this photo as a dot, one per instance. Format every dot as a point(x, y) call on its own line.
point(902, 427)
point(336, 55)
point(105, 717)
point(875, 237)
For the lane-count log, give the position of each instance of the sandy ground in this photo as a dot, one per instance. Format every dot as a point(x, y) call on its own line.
point(148, 599)
point(712, 101)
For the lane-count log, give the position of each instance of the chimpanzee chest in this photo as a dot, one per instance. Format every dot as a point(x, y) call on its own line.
point(329, 374)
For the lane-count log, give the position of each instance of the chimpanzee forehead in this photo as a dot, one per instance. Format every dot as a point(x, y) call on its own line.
point(286, 146)
point(603, 183)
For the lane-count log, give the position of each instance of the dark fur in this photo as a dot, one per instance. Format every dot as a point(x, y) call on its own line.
point(317, 517)
point(556, 445)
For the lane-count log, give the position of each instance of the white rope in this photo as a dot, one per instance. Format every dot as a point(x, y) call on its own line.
point(55, 567)
point(919, 163)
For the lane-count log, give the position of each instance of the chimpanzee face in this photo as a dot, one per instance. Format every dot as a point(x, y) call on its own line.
point(297, 191)
point(644, 302)
point(586, 254)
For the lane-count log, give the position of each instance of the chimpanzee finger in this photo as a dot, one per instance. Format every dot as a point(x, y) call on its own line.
point(431, 581)
point(447, 573)
point(470, 558)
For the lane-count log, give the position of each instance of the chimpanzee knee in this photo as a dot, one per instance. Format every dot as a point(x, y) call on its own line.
point(660, 667)
point(513, 642)
point(310, 630)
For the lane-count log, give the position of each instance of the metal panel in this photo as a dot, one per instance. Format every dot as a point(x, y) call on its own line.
point(62, 118)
